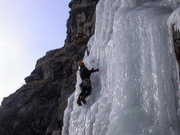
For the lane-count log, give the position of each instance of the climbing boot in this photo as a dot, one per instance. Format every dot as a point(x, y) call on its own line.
point(83, 100)
point(79, 101)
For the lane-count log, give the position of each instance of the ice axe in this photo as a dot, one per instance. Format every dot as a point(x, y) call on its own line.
point(94, 62)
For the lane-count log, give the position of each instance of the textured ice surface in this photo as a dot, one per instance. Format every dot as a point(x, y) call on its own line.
point(136, 90)
point(174, 19)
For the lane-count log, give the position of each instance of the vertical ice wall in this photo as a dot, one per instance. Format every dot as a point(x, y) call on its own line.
point(135, 92)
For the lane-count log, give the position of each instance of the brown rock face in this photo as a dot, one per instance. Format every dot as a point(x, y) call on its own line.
point(81, 23)
point(37, 107)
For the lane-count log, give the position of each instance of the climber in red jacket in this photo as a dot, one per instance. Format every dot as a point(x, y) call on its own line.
point(86, 83)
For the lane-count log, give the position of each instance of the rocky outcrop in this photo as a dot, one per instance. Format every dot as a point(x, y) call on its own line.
point(81, 23)
point(37, 107)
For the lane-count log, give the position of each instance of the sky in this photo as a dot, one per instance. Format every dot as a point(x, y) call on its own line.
point(28, 29)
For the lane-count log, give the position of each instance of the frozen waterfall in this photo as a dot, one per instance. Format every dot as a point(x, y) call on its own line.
point(136, 90)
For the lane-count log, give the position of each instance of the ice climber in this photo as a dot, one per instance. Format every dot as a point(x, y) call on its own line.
point(85, 85)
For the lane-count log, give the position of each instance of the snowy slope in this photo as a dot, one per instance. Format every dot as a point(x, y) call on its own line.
point(135, 92)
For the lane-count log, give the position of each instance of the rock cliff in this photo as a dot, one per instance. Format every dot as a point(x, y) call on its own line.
point(37, 107)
